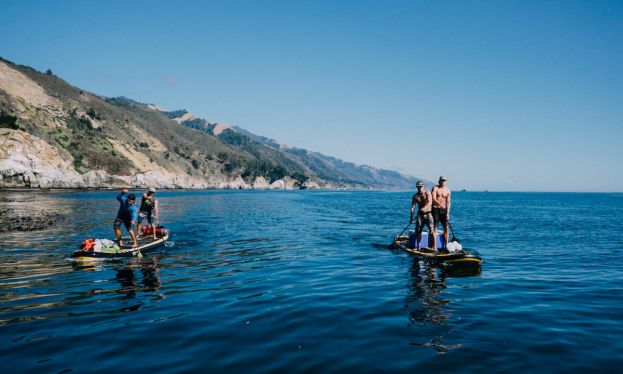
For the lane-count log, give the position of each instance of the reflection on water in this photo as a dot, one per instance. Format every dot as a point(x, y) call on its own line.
point(126, 273)
point(296, 277)
point(31, 286)
point(427, 306)
point(150, 269)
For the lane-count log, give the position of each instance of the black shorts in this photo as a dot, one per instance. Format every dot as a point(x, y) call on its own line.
point(440, 215)
point(127, 223)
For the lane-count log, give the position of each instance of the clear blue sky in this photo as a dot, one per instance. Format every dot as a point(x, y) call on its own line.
point(498, 95)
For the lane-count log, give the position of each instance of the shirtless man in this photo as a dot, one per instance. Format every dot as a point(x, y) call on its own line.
point(441, 207)
point(424, 200)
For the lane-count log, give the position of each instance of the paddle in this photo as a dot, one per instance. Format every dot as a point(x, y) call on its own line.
point(397, 236)
point(454, 239)
point(134, 237)
point(138, 253)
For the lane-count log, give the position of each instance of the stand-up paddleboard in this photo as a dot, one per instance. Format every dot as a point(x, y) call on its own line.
point(461, 256)
point(146, 244)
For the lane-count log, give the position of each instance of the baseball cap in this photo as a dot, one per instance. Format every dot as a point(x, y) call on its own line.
point(442, 178)
point(131, 197)
point(152, 189)
point(419, 184)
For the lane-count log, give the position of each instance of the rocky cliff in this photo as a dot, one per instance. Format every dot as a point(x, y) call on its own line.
point(54, 135)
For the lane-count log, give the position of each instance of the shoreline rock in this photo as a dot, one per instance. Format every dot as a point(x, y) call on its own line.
point(27, 161)
point(12, 220)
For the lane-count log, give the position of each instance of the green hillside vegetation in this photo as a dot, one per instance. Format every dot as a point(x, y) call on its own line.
point(8, 121)
point(87, 127)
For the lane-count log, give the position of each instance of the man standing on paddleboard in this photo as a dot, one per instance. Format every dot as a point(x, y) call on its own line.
point(441, 208)
point(424, 200)
point(149, 211)
point(127, 214)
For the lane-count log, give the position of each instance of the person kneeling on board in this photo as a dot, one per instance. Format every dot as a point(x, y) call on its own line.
point(424, 200)
point(127, 214)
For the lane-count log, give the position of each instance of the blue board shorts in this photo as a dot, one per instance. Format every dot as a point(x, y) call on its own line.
point(148, 215)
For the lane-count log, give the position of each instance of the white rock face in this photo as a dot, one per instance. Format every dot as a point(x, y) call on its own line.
point(219, 128)
point(27, 161)
point(238, 183)
point(185, 117)
point(311, 185)
point(260, 183)
point(278, 185)
point(285, 183)
point(290, 183)
point(150, 179)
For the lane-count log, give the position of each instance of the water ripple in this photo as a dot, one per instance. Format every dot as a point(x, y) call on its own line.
point(311, 286)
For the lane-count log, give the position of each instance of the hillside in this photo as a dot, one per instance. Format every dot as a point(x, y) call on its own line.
point(53, 134)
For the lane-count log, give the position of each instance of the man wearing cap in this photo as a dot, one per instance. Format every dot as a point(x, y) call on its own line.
point(127, 214)
point(424, 201)
point(149, 210)
point(441, 207)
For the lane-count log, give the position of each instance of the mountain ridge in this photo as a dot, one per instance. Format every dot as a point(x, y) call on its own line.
point(97, 141)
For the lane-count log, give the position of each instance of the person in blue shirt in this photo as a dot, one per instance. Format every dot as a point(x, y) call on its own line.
point(127, 214)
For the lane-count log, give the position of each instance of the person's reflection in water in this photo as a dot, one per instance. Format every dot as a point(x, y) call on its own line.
point(428, 311)
point(425, 289)
point(126, 278)
point(149, 268)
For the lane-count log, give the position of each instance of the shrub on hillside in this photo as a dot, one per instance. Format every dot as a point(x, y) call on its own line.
point(8, 121)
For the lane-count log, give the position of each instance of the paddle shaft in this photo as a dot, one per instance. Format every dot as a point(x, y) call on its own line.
point(403, 230)
point(454, 239)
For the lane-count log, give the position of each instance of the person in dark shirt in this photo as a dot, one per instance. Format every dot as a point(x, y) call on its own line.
point(127, 214)
point(149, 211)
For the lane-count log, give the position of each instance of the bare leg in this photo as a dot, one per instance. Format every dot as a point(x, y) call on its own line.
point(118, 234)
point(153, 230)
point(418, 237)
point(131, 231)
point(138, 230)
point(445, 233)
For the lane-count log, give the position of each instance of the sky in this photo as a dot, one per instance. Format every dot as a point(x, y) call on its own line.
point(496, 95)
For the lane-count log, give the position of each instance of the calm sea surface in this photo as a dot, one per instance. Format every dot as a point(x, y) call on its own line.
point(303, 281)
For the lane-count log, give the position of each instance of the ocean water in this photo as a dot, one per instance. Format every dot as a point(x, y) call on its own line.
point(303, 281)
